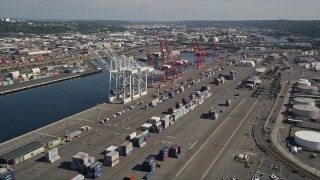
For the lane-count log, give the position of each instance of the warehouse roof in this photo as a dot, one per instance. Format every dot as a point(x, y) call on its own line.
point(21, 151)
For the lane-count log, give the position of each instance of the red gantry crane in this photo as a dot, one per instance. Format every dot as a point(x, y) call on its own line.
point(216, 51)
point(152, 63)
point(172, 62)
point(200, 55)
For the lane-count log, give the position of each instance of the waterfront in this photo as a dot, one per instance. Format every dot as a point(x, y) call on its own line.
point(28, 110)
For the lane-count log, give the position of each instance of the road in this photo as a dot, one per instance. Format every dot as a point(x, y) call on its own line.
point(201, 164)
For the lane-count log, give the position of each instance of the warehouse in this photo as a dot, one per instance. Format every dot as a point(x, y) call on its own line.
point(22, 153)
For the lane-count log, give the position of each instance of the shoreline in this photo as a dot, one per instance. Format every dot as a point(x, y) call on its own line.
point(50, 80)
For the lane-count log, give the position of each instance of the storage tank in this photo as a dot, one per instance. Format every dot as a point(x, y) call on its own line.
point(309, 139)
point(313, 90)
point(304, 80)
point(306, 111)
point(305, 101)
point(215, 39)
point(304, 83)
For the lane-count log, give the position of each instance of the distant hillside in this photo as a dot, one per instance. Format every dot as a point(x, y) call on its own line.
point(53, 27)
point(304, 28)
point(287, 27)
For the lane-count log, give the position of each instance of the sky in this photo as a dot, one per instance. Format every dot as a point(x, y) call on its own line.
point(163, 10)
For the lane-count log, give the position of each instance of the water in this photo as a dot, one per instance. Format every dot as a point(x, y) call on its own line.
point(272, 39)
point(283, 41)
point(29, 110)
point(190, 57)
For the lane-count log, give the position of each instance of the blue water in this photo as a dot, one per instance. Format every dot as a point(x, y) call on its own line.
point(28, 110)
point(272, 39)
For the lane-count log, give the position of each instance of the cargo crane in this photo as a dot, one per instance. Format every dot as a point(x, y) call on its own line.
point(216, 52)
point(153, 63)
point(200, 55)
point(127, 76)
point(172, 63)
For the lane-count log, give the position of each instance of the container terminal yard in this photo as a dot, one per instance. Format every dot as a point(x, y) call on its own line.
point(201, 126)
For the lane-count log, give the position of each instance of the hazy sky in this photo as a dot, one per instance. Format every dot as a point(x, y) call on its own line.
point(162, 9)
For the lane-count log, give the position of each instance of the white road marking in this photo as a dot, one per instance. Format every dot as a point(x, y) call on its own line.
point(45, 134)
point(234, 132)
point(207, 141)
point(82, 119)
point(193, 144)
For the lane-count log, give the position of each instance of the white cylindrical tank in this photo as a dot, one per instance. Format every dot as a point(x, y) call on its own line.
point(305, 101)
point(306, 111)
point(313, 90)
point(303, 83)
point(215, 39)
point(304, 80)
point(309, 139)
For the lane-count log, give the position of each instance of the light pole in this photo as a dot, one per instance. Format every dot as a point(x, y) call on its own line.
point(159, 88)
point(98, 112)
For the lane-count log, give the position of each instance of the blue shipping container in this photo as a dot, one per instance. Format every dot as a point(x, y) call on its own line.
point(148, 175)
point(95, 170)
point(9, 175)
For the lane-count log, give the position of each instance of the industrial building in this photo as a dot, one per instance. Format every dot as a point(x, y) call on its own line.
point(22, 153)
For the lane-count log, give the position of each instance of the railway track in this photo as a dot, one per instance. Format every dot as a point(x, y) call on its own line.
point(271, 150)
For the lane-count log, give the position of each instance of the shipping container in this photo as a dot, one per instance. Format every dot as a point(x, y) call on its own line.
point(110, 149)
point(125, 149)
point(146, 135)
point(175, 151)
point(131, 136)
point(7, 174)
point(94, 170)
point(149, 175)
point(139, 140)
point(78, 177)
point(157, 127)
point(146, 126)
point(163, 153)
point(130, 177)
point(52, 155)
point(165, 123)
point(10, 82)
point(154, 119)
point(149, 164)
point(111, 159)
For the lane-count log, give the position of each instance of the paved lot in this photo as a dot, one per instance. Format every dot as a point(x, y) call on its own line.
point(208, 145)
point(111, 134)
